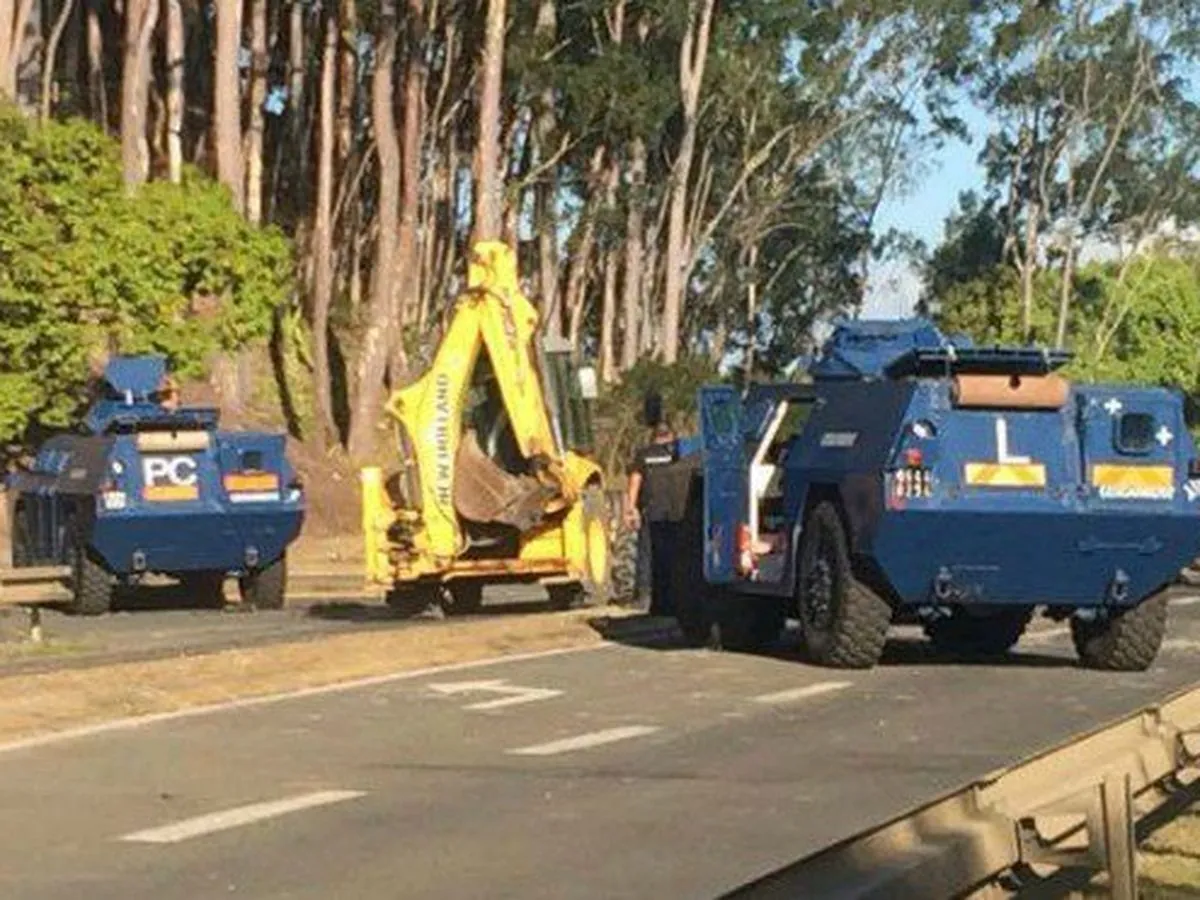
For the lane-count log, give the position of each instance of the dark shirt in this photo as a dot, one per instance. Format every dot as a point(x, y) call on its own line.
point(654, 499)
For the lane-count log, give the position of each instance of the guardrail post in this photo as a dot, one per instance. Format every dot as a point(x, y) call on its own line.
point(1119, 847)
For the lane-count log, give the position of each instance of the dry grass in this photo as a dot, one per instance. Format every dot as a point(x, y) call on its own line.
point(38, 704)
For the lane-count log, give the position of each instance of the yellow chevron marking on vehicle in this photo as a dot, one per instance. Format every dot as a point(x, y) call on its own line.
point(1134, 482)
point(981, 474)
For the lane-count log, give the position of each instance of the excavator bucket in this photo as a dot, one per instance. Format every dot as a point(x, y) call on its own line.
point(484, 492)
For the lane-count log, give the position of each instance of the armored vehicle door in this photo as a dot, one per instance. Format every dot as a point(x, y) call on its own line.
point(725, 480)
point(1130, 443)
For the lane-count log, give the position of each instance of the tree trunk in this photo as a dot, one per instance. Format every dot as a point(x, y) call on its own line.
point(489, 187)
point(634, 229)
point(546, 189)
point(175, 89)
point(751, 308)
point(608, 316)
point(97, 89)
point(1028, 268)
point(377, 336)
point(322, 240)
point(14, 19)
point(406, 269)
point(346, 72)
point(51, 57)
point(227, 106)
point(141, 16)
point(692, 57)
point(259, 61)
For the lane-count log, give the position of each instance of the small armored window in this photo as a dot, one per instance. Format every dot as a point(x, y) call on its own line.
point(1135, 432)
point(252, 460)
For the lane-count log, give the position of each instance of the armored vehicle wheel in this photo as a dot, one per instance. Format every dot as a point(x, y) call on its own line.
point(91, 583)
point(749, 624)
point(843, 623)
point(1125, 641)
point(693, 598)
point(206, 590)
point(993, 634)
point(466, 597)
point(265, 588)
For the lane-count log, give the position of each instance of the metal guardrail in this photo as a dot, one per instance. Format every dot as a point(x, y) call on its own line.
point(1071, 808)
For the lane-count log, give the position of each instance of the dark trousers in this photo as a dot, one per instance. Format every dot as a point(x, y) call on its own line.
point(663, 536)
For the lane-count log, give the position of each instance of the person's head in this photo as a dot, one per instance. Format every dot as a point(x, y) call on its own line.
point(663, 432)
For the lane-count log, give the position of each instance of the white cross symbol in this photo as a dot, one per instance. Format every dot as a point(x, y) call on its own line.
point(1164, 435)
point(1113, 406)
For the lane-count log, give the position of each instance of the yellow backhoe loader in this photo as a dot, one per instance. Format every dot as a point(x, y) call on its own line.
point(494, 482)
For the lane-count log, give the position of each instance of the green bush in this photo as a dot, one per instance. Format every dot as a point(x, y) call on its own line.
point(85, 267)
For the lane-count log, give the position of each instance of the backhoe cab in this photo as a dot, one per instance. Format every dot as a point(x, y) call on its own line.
point(493, 482)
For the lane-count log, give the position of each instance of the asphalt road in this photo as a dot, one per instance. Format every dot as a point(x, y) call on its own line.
point(153, 624)
point(601, 773)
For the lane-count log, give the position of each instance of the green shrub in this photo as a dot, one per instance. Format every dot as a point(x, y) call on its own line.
point(85, 267)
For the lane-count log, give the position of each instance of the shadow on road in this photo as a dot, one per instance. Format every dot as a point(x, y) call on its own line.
point(359, 612)
point(661, 634)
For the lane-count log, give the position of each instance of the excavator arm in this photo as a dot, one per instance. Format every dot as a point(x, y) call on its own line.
point(450, 472)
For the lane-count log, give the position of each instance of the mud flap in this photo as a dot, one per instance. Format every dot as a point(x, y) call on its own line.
point(484, 492)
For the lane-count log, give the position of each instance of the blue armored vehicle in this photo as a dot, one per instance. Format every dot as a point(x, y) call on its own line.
point(152, 487)
point(918, 478)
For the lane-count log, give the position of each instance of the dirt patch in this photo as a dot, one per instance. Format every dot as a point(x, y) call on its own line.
point(54, 701)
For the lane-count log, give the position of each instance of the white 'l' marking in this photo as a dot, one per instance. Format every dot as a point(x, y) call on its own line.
point(802, 693)
point(232, 818)
point(584, 741)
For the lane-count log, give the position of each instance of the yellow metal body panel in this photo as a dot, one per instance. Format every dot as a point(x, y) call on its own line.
point(1141, 482)
point(492, 316)
point(1005, 474)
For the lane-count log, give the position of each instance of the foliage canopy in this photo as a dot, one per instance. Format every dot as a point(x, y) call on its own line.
point(88, 269)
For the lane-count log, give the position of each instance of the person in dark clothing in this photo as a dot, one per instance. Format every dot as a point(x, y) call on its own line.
point(648, 511)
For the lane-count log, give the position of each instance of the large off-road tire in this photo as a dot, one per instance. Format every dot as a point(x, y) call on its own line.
point(748, 624)
point(983, 635)
point(204, 590)
point(1126, 641)
point(693, 599)
point(843, 623)
point(266, 587)
point(466, 597)
point(624, 566)
point(597, 586)
point(91, 584)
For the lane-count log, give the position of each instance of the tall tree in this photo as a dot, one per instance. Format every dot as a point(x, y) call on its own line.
point(176, 81)
point(259, 62)
point(489, 185)
point(322, 298)
point(227, 102)
point(381, 311)
point(693, 54)
point(141, 17)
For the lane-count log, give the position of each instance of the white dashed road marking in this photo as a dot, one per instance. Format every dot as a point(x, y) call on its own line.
point(1189, 600)
point(802, 693)
point(233, 818)
point(584, 741)
point(516, 693)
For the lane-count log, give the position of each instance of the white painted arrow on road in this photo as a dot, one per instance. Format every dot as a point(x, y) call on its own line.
point(516, 693)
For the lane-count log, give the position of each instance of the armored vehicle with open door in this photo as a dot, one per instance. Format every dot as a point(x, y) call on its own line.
point(918, 478)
